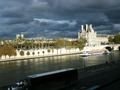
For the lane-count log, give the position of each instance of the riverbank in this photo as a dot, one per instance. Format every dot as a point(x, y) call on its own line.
point(40, 56)
point(38, 53)
point(60, 52)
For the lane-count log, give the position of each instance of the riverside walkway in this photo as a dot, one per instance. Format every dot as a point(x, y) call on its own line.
point(104, 77)
point(100, 77)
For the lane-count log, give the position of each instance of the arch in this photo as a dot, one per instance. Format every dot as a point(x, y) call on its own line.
point(119, 48)
point(109, 48)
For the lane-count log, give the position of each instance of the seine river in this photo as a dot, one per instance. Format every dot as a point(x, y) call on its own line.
point(13, 71)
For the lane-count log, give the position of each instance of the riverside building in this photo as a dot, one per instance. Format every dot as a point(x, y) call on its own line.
point(91, 36)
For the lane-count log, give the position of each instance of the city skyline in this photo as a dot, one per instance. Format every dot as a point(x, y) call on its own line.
point(57, 18)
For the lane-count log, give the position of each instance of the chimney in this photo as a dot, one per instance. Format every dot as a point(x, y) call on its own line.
point(86, 27)
point(91, 26)
point(82, 27)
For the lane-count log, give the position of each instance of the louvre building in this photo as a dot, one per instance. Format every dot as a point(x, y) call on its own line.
point(91, 36)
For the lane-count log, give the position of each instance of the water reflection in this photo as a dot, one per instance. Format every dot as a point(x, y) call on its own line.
point(12, 71)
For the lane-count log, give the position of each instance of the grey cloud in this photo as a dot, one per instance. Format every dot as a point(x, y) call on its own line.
point(40, 6)
point(18, 16)
point(74, 5)
point(18, 21)
point(117, 28)
point(12, 12)
point(105, 31)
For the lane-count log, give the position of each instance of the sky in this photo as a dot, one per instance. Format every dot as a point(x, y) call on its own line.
point(57, 18)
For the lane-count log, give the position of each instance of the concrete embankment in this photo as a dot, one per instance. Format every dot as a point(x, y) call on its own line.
point(57, 52)
point(31, 57)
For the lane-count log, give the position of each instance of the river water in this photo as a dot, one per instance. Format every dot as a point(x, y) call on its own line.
point(13, 71)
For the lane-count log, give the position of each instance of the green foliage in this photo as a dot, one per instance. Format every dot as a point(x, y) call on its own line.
point(48, 50)
point(81, 43)
point(117, 39)
point(42, 40)
point(38, 52)
point(52, 50)
point(33, 53)
point(21, 43)
point(110, 39)
point(28, 53)
point(59, 43)
point(43, 52)
point(22, 53)
point(68, 45)
point(75, 44)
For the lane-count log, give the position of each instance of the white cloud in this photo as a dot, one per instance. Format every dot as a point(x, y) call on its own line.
point(55, 21)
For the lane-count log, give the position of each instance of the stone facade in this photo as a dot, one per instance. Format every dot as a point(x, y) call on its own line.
point(19, 35)
point(90, 35)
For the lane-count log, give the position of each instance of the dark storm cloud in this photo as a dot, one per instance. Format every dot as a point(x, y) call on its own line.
point(57, 17)
point(12, 13)
point(18, 21)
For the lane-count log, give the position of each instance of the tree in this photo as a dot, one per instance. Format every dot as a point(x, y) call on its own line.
point(110, 39)
point(48, 50)
point(59, 43)
point(8, 50)
point(75, 45)
point(43, 52)
point(0, 52)
point(38, 53)
point(117, 39)
point(28, 53)
point(42, 40)
point(52, 50)
point(33, 53)
point(68, 45)
point(4, 41)
point(48, 43)
point(81, 43)
point(12, 52)
point(32, 42)
point(22, 53)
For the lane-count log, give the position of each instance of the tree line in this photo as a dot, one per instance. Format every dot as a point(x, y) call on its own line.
point(115, 39)
point(9, 47)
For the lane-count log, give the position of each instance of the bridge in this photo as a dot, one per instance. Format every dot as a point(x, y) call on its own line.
point(113, 46)
point(102, 47)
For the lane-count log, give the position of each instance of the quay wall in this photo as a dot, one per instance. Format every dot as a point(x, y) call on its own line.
point(53, 52)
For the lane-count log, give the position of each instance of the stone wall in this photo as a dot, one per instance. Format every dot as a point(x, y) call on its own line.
point(46, 53)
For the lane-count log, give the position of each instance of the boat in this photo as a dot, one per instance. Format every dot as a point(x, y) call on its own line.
point(85, 54)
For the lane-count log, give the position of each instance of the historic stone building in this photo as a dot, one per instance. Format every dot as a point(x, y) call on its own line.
point(91, 36)
point(19, 35)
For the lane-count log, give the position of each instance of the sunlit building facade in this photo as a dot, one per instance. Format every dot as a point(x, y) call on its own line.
point(90, 35)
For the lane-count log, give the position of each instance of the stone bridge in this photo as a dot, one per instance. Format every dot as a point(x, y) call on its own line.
point(113, 46)
point(102, 47)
